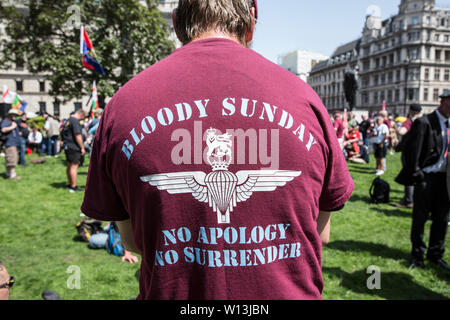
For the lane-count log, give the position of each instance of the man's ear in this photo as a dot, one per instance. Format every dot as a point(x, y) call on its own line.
point(249, 34)
point(174, 22)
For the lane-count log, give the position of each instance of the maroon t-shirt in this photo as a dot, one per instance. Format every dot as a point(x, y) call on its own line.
point(339, 126)
point(407, 124)
point(222, 161)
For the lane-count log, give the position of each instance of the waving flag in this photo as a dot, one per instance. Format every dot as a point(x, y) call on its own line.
point(8, 96)
point(14, 99)
point(19, 104)
point(94, 100)
point(87, 50)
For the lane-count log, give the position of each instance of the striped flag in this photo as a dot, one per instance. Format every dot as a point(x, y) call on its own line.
point(88, 52)
point(94, 97)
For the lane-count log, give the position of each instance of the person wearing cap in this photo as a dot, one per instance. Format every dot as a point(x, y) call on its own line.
point(210, 223)
point(414, 112)
point(9, 127)
point(426, 166)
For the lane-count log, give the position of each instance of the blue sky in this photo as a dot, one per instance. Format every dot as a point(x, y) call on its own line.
point(314, 25)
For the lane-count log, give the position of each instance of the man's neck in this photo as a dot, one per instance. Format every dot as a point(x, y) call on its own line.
point(218, 34)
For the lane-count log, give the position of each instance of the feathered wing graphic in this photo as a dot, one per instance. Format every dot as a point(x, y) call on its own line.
point(261, 180)
point(223, 195)
point(180, 182)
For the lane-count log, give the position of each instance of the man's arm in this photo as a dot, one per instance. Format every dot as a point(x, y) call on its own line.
point(323, 226)
point(79, 140)
point(126, 233)
point(10, 128)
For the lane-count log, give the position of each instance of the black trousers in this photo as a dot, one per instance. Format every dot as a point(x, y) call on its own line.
point(430, 200)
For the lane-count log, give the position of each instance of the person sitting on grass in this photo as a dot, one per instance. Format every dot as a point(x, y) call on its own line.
point(100, 241)
point(6, 282)
point(35, 140)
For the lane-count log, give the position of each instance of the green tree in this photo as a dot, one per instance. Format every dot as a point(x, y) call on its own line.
point(128, 37)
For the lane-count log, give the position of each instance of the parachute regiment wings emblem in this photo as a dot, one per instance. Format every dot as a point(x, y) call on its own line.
point(220, 188)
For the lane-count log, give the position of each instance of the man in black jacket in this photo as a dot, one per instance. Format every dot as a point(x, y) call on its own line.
point(426, 166)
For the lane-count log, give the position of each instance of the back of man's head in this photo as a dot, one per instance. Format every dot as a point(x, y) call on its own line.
point(196, 17)
point(80, 114)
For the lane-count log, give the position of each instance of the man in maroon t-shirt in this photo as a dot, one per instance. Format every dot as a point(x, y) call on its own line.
point(339, 127)
point(219, 167)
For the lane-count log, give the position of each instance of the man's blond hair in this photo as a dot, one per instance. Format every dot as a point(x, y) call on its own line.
point(195, 17)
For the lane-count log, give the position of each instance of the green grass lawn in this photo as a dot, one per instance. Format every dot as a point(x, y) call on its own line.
point(38, 242)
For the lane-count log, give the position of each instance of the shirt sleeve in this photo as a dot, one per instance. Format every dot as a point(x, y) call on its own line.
point(76, 127)
point(338, 184)
point(101, 199)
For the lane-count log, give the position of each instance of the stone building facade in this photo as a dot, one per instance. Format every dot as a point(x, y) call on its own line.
point(401, 60)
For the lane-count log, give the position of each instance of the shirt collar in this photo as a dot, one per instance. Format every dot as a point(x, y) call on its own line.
point(442, 119)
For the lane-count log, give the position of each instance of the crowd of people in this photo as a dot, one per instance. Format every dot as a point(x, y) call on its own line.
point(378, 133)
point(74, 136)
point(424, 143)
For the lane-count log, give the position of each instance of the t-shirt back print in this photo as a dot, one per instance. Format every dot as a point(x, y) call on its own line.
point(222, 171)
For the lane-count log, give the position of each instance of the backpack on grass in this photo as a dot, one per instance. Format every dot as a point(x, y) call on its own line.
point(88, 227)
point(114, 243)
point(379, 191)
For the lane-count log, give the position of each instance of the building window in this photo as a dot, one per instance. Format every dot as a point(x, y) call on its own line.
point(447, 55)
point(428, 20)
point(437, 74)
point(446, 38)
point(413, 74)
point(436, 95)
point(413, 53)
point(365, 98)
point(397, 95)
point(389, 96)
point(437, 37)
point(412, 94)
point(447, 75)
point(390, 77)
point(42, 107)
point(428, 52)
point(77, 105)
point(425, 94)
point(415, 21)
point(437, 55)
point(42, 86)
point(427, 74)
point(398, 75)
point(19, 85)
point(375, 80)
point(56, 109)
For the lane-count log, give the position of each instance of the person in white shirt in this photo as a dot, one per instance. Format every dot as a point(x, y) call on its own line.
point(381, 132)
point(35, 140)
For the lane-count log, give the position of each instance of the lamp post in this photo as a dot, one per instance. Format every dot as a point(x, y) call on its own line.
point(407, 60)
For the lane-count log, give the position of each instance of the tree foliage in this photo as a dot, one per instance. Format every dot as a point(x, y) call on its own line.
point(127, 36)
